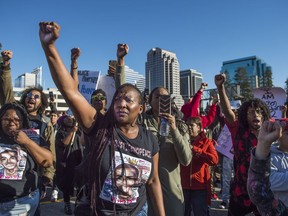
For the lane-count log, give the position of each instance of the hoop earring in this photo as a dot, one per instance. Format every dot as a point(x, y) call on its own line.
point(140, 119)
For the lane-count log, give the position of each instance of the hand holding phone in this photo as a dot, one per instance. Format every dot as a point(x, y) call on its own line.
point(165, 104)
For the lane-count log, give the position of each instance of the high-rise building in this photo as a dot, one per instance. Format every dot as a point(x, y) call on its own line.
point(33, 79)
point(162, 69)
point(190, 82)
point(135, 78)
point(255, 67)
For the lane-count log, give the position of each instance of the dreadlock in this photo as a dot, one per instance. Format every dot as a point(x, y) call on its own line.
point(44, 100)
point(253, 103)
point(103, 135)
point(21, 112)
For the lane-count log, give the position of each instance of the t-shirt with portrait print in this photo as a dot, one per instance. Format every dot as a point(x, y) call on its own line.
point(123, 183)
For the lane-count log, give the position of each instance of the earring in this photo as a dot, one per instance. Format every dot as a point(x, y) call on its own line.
point(140, 119)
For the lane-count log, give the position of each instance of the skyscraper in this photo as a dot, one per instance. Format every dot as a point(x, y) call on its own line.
point(135, 78)
point(190, 82)
point(162, 69)
point(33, 79)
point(257, 70)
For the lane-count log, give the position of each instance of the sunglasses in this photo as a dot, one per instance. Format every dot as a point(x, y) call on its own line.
point(98, 97)
point(30, 95)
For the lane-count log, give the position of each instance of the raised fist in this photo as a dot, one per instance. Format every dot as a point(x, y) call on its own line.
point(220, 79)
point(6, 55)
point(122, 50)
point(48, 32)
point(75, 53)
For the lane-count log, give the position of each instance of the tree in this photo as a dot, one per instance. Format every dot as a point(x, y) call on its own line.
point(227, 83)
point(242, 78)
point(267, 78)
point(286, 87)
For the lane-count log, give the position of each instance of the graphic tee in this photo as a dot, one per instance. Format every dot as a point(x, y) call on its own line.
point(125, 177)
point(18, 170)
point(12, 162)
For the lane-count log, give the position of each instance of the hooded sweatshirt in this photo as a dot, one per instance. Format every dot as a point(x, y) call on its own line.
point(279, 174)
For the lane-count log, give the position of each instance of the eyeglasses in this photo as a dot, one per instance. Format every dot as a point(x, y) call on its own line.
point(257, 111)
point(8, 120)
point(30, 95)
point(98, 97)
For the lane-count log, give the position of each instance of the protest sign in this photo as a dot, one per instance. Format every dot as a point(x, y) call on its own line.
point(107, 84)
point(274, 97)
point(88, 81)
point(225, 143)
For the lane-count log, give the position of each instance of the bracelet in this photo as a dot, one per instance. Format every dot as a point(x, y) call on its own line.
point(75, 68)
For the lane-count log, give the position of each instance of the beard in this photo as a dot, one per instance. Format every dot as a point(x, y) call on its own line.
point(30, 108)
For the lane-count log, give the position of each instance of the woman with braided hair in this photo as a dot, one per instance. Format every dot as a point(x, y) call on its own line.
point(117, 140)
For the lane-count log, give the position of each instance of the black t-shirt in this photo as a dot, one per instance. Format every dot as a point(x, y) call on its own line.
point(131, 169)
point(18, 171)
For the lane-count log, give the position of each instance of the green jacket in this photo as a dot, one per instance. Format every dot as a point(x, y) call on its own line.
point(174, 150)
point(7, 96)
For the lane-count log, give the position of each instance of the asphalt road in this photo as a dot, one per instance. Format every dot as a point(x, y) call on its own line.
point(57, 208)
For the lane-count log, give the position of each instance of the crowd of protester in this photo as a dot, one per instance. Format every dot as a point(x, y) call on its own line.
point(114, 160)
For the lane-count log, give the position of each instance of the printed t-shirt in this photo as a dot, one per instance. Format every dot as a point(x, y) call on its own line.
point(132, 168)
point(18, 171)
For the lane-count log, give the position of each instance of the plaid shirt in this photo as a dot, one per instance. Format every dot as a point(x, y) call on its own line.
point(243, 142)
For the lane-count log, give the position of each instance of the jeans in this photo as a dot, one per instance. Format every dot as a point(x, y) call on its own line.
point(227, 172)
point(195, 202)
point(26, 205)
point(144, 210)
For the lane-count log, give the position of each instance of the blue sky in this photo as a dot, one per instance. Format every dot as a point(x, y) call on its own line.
point(203, 34)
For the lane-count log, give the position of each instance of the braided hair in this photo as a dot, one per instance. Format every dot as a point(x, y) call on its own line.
point(103, 136)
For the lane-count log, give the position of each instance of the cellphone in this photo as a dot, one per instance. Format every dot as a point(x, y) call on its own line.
point(51, 95)
point(112, 67)
point(113, 63)
point(165, 104)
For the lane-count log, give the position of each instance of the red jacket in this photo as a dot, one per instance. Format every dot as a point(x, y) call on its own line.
point(196, 175)
point(190, 109)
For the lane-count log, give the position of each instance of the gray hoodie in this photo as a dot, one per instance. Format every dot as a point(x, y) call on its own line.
point(279, 174)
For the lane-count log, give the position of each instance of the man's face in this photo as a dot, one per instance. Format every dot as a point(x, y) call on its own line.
point(9, 160)
point(126, 180)
point(33, 102)
point(254, 118)
point(99, 102)
point(53, 118)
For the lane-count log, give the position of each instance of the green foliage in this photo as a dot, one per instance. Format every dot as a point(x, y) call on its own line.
point(267, 78)
point(242, 78)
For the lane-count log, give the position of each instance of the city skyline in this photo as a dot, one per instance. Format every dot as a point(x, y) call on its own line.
point(202, 34)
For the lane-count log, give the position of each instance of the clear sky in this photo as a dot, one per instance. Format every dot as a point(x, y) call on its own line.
point(203, 34)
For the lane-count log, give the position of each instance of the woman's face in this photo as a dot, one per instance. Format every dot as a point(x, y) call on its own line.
point(193, 129)
point(10, 122)
point(155, 99)
point(127, 106)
